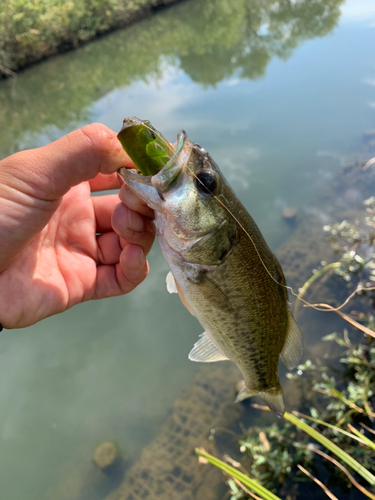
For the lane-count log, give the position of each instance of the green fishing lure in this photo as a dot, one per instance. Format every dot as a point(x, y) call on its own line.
point(147, 148)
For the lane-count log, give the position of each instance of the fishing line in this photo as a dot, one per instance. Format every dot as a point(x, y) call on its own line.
point(321, 309)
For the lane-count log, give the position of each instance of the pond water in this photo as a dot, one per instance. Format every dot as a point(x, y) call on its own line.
point(280, 93)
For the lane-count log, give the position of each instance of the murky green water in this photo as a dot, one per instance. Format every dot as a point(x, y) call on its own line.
point(280, 97)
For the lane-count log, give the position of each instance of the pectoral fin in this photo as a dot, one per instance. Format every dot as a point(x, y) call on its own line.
point(172, 287)
point(171, 284)
point(245, 393)
point(292, 351)
point(206, 351)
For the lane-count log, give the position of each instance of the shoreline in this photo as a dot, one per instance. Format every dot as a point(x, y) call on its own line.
point(14, 60)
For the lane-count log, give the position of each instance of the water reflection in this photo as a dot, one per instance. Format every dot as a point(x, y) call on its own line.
point(242, 37)
point(210, 40)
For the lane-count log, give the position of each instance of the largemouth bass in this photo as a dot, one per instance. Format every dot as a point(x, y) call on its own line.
point(223, 270)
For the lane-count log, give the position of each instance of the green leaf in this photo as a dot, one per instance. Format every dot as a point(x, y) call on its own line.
point(330, 336)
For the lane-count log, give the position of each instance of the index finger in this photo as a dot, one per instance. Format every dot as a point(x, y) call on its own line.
point(132, 201)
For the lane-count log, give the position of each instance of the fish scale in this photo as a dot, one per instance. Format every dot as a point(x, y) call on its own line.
point(248, 348)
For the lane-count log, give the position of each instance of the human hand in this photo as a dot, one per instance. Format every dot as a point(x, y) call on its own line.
point(58, 247)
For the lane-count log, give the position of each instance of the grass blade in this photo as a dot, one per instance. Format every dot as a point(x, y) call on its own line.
point(246, 490)
point(344, 316)
point(235, 474)
point(356, 435)
point(368, 441)
point(319, 483)
point(342, 455)
point(367, 428)
point(345, 471)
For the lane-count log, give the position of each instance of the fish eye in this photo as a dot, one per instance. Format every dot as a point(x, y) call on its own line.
point(205, 182)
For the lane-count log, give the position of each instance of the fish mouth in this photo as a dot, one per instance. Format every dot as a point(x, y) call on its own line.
point(151, 189)
point(147, 186)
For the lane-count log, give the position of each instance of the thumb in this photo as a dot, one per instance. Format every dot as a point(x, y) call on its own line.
point(47, 173)
point(33, 182)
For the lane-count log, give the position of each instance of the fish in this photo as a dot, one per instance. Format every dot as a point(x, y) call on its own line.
point(222, 269)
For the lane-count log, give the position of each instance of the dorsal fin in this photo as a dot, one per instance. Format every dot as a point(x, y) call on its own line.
point(205, 351)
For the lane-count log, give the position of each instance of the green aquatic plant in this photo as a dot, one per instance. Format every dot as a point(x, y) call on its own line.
point(273, 455)
point(353, 241)
point(280, 454)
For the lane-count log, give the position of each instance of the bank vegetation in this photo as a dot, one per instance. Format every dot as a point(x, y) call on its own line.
point(31, 30)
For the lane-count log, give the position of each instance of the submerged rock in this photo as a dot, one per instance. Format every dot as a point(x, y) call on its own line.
point(106, 455)
point(290, 215)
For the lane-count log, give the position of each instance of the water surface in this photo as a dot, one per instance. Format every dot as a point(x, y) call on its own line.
point(280, 96)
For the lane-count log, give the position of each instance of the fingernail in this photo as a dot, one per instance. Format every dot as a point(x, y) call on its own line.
point(135, 222)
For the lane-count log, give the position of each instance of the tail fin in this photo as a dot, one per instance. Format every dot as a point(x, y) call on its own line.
point(272, 397)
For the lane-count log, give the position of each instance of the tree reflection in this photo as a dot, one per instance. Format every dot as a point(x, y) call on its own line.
point(248, 34)
point(209, 39)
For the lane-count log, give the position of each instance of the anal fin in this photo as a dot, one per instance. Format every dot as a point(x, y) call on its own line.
point(205, 351)
point(292, 350)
